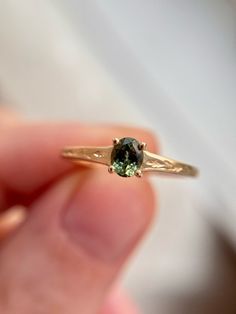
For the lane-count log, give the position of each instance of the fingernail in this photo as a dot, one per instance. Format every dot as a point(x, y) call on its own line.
point(105, 218)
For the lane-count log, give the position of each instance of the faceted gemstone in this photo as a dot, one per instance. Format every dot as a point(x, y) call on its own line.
point(126, 157)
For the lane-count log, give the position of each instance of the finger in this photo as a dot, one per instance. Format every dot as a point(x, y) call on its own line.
point(8, 118)
point(30, 154)
point(74, 242)
point(118, 302)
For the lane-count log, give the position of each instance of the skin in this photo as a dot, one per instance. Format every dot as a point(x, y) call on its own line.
point(63, 254)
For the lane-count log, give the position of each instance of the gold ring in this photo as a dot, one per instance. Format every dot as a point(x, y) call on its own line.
point(128, 157)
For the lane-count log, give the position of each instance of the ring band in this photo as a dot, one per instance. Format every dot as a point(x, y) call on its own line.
point(128, 157)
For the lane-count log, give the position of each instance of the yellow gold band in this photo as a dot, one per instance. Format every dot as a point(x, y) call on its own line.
point(151, 162)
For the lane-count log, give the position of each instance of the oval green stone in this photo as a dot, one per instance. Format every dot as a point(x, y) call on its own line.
point(126, 157)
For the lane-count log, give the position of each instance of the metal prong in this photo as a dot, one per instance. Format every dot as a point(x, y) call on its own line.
point(111, 169)
point(115, 141)
point(142, 146)
point(138, 173)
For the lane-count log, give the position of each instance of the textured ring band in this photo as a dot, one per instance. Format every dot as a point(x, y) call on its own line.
point(128, 157)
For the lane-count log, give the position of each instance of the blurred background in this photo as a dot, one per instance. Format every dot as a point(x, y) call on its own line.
point(166, 65)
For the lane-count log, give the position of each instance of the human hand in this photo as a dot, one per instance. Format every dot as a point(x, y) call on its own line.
point(81, 223)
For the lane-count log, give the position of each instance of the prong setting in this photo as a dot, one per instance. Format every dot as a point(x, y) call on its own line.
point(111, 169)
point(138, 173)
point(126, 157)
point(142, 146)
point(115, 141)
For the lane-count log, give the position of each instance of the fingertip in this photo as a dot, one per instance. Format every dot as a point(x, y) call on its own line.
point(118, 302)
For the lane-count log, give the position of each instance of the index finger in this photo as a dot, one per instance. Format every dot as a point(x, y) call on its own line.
point(30, 153)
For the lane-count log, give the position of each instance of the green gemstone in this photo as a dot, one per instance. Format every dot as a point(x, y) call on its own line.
point(126, 157)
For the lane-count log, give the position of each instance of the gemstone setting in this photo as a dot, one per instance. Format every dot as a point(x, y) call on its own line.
point(126, 157)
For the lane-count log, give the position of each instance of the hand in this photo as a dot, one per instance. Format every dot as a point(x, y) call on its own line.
point(81, 224)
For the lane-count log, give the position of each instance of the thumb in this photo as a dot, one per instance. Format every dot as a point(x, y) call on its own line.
point(77, 236)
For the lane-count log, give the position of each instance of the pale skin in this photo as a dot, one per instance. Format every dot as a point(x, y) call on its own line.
point(81, 226)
